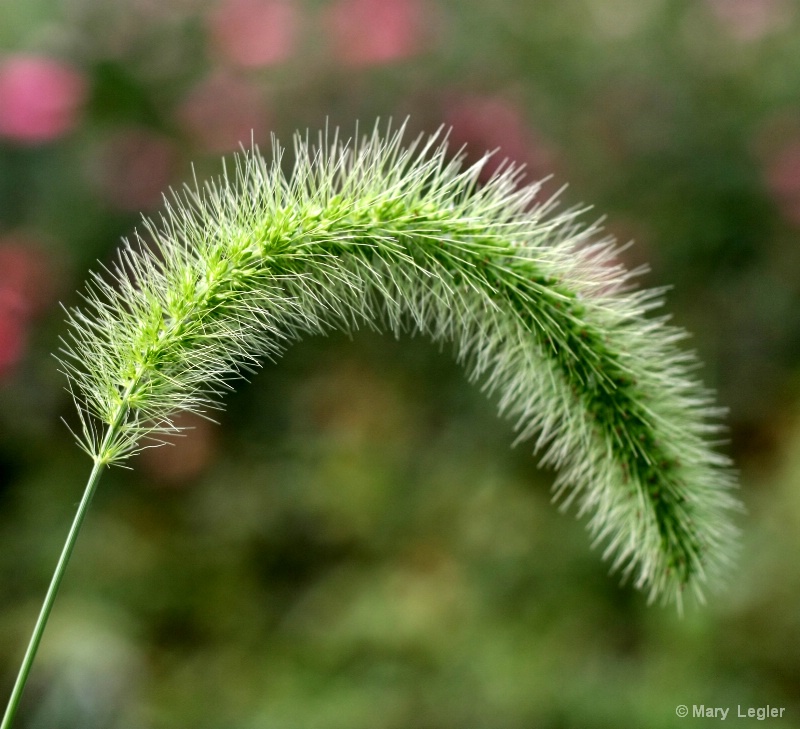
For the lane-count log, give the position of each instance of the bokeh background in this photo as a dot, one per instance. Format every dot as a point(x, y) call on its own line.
point(356, 546)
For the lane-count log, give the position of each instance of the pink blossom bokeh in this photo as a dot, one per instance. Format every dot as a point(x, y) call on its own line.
point(254, 33)
point(134, 168)
point(374, 32)
point(751, 20)
point(223, 112)
point(487, 123)
point(40, 98)
point(188, 454)
point(26, 287)
point(783, 179)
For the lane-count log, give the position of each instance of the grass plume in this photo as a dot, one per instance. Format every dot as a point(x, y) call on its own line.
point(403, 238)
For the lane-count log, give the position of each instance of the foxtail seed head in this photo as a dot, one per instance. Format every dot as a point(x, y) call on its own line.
point(404, 238)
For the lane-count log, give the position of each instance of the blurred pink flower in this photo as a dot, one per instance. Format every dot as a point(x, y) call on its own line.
point(40, 98)
point(783, 179)
point(25, 289)
point(134, 168)
point(186, 456)
point(223, 112)
point(488, 123)
point(254, 33)
point(749, 20)
point(13, 340)
point(370, 32)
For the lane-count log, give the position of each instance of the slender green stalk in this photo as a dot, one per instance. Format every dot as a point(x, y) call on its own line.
point(52, 591)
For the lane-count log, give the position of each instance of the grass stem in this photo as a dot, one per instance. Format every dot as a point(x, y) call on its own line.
point(52, 591)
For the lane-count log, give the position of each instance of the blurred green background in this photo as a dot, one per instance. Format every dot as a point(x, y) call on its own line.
point(356, 546)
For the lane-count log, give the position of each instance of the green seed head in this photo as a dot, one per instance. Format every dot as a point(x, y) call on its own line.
point(404, 238)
